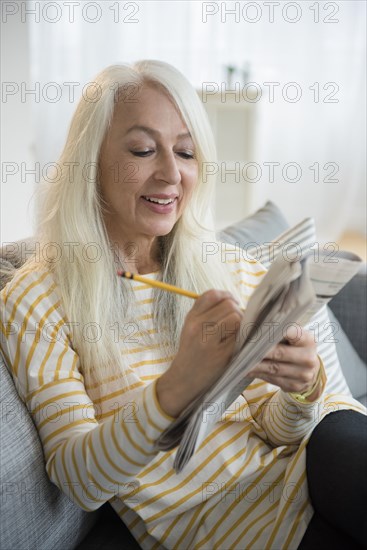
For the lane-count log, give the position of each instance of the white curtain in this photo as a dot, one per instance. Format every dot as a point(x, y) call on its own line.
point(320, 46)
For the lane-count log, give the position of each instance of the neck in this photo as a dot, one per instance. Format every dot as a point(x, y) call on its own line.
point(138, 256)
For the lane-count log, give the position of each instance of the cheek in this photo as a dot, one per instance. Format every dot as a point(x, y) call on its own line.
point(120, 178)
point(191, 181)
point(130, 175)
point(189, 188)
point(109, 184)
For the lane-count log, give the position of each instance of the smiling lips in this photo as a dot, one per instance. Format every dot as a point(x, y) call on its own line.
point(162, 204)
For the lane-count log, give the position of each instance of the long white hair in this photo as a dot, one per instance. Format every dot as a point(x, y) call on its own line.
point(70, 216)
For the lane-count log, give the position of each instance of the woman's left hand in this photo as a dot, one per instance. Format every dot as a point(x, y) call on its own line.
point(294, 365)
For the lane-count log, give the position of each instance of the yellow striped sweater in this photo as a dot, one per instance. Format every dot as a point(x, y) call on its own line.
point(245, 487)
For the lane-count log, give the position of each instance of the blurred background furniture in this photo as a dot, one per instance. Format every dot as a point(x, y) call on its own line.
point(233, 120)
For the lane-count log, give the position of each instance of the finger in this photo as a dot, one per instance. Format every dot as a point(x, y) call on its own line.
point(224, 309)
point(211, 298)
point(286, 384)
point(229, 326)
point(223, 327)
point(283, 353)
point(271, 376)
point(287, 372)
point(297, 336)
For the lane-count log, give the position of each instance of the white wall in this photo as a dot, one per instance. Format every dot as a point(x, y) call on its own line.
point(16, 134)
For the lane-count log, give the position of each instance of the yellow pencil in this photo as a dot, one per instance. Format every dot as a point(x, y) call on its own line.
point(158, 284)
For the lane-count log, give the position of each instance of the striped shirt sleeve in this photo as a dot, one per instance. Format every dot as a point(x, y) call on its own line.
point(88, 461)
point(287, 421)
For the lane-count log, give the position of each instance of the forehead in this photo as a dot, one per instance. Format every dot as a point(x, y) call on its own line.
point(148, 105)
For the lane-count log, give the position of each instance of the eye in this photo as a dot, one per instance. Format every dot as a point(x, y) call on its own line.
point(186, 154)
point(142, 153)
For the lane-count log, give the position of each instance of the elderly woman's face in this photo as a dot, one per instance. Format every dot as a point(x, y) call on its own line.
point(148, 166)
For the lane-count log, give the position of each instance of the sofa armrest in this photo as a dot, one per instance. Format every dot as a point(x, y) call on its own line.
point(349, 307)
point(34, 513)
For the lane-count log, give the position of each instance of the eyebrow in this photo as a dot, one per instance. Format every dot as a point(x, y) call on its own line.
point(153, 132)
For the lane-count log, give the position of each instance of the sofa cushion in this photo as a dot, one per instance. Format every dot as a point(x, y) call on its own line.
point(6, 271)
point(353, 367)
point(261, 227)
point(34, 513)
point(349, 307)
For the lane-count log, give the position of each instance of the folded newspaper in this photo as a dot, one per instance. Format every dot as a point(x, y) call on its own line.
point(290, 292)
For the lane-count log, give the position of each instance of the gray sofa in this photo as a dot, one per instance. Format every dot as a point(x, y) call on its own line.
point(35, 515)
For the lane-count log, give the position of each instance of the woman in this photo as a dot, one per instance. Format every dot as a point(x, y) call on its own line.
point(112, 362)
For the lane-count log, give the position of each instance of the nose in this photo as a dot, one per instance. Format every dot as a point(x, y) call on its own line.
point(167, 169)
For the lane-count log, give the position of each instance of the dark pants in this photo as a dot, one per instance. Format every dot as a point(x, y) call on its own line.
point(337, 480)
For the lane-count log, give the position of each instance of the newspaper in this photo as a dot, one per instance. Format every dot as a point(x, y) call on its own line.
point(290, 292)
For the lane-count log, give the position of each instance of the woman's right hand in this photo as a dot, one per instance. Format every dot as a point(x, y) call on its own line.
point(207, 342)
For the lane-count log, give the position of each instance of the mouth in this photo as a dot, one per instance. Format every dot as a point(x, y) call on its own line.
point(160, 204)
point(159, 201)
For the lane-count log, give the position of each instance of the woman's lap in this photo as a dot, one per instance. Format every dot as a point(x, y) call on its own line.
point(337, 480)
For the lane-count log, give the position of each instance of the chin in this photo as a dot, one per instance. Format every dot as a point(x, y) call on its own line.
point(162, 232)
point(161, 229)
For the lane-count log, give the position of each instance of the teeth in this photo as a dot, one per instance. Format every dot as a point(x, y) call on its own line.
point(160, 201)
